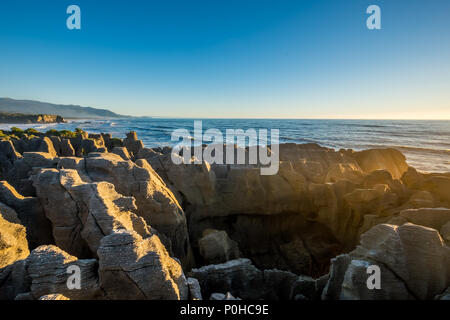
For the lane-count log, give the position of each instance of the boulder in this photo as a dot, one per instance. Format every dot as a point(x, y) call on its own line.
point(413, 179)
point(439, 186)
point(428, 217)
point(215, 247)
point(239, 277)
point(382, 159)
point(422, 199)
point(131, 267)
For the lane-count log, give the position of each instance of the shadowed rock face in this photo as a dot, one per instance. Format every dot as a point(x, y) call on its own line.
point(242, 279)
point(19, 174)
point(30, 214)
point(8, 155)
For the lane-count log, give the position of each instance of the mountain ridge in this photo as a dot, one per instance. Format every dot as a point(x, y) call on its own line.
point(63, 110)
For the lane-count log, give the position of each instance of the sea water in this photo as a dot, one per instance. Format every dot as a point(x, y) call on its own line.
point(426, 144)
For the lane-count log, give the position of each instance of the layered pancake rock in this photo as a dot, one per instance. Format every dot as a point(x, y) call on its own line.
point(140, 227)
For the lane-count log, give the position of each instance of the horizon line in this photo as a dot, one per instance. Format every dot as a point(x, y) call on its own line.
point(273, 118)
point(221, 118)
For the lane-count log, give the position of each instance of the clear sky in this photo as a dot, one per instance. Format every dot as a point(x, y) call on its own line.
point(231, 58)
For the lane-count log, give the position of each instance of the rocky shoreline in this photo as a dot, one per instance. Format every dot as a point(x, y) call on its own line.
point(20, 118)
point(140, 227)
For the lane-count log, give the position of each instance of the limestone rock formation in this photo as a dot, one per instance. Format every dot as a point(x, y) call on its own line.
point(413, 260)
point(14, 281)
point(63, 146)
point(132, 220)
point(83, 213)
point(35, 144)
point(50, 269)
point(134, 268)
point(389, 159)
point(328, 197)
point(13, 240)
point(132, 143)
point(8, 155)
point(155, 202)
point(439, 186)
point(19, 174)
point(122, 152)
point(242, 279)
point(445, 232)
point(434, 218)
point(195, 292)
point(30, 213)
point(239, 277)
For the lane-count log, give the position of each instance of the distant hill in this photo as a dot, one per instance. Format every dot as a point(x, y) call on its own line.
point(66, 111)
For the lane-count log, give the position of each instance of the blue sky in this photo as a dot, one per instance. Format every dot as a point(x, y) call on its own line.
point(231, 59)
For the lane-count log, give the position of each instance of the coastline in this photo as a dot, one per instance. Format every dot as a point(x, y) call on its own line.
point(79, 198)
point(426, 155)
point(22, 119)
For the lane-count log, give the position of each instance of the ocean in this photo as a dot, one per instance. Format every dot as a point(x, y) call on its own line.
point(426, 144)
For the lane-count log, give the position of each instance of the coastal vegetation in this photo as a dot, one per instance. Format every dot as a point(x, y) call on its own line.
point(30, 133)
